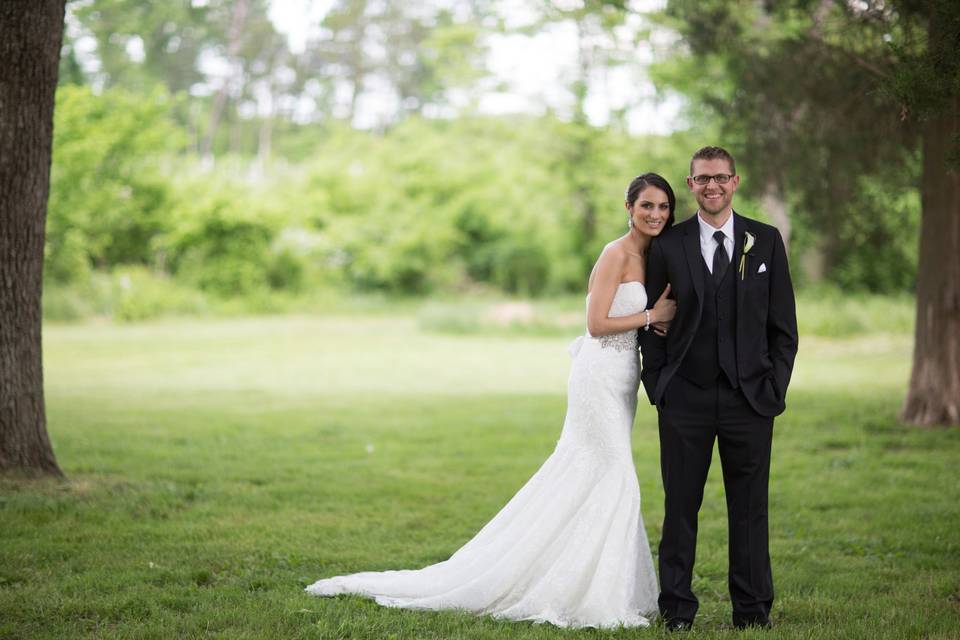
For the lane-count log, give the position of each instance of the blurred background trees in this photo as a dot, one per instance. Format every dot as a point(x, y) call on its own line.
point(364, 158)
point(204, 152)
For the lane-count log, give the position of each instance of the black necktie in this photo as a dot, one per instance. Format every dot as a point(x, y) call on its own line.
point(720, 259)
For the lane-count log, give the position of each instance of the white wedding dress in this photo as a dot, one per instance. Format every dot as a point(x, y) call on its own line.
point(569, 548)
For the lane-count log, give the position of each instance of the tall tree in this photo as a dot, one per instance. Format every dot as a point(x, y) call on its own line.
point(802, 117)
point(829, 96)
point(31, 33)
point(927, 81)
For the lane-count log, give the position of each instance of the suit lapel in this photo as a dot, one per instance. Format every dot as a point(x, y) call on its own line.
point(691, 246)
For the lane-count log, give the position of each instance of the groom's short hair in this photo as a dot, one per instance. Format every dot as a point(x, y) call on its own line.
point(714, 153)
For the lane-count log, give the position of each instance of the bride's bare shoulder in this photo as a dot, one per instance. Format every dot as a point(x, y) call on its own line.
point(609, 264)
point(614, 250)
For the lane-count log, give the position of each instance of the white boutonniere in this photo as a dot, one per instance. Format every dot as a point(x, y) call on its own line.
point(748, 240)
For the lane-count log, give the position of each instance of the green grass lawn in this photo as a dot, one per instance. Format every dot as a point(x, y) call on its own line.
point(217, 467)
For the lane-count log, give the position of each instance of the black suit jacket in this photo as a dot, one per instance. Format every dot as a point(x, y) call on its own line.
point(766, 328)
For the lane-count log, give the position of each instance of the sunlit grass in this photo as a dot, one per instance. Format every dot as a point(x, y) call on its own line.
point(822, 312)
point(216, 467)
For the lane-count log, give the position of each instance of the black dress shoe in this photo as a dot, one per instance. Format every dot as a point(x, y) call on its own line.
point(676, 624)
point(752, 623)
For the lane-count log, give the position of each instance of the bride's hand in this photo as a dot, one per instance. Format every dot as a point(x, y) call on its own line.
point(665, 309)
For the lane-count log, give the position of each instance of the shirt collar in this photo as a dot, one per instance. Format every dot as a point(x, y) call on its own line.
point(707, 231)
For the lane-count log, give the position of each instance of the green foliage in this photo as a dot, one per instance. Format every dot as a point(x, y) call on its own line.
point(220, 251)
point(523, 205)
point(78, 300)
point(798, 92)
point(925, 76)
point(172, 35)
point(232, 237)
point(820, 102)
point(139, 294)
point(128, 294)
point(108, 194)
point(430, 204)
point(886, 221)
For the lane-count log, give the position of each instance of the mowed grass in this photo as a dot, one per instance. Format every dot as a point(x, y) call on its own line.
point(217, 467)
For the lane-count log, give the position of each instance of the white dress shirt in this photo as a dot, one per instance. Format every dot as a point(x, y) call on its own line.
point(708, 246)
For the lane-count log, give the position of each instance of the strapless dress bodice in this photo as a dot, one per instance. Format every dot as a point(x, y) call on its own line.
point(630, 298)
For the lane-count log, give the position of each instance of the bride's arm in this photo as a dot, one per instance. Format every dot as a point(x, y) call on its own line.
point(607, 273)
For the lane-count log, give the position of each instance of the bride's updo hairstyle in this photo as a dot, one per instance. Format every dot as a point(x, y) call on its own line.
point(641, 182)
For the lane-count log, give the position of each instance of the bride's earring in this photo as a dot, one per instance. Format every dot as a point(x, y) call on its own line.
point(629, 222)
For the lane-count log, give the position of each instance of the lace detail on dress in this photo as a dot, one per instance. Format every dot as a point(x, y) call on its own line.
point(619, 341)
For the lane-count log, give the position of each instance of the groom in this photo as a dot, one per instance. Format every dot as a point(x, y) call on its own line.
point(720, 373)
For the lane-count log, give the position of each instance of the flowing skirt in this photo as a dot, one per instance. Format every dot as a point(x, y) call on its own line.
point(569, 548)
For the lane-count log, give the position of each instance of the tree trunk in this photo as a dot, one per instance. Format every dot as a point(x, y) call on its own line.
point(30, 36)
point(774, 204)
point(238, 20)
point(356, 87)
point(933, 397)
point(265, 140)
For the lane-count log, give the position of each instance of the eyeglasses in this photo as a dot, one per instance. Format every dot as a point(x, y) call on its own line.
point(720, 178)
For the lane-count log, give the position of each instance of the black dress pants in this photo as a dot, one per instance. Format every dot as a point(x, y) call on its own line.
point(690, 419)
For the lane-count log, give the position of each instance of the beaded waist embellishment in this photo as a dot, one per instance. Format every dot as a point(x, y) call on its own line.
point(619, 341)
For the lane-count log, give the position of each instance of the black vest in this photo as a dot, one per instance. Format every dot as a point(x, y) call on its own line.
point(714, 347)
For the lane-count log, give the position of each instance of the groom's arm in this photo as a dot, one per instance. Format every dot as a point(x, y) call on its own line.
point(782, 338)
point(653, 347)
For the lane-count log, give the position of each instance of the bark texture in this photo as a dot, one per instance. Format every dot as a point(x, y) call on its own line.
point(933, 397)
point(30, 37)
point(773, 202)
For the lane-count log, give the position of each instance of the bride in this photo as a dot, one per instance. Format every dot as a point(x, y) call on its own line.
point(569, 548)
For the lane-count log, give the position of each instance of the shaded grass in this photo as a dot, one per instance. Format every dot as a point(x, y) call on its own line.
point(217, 468)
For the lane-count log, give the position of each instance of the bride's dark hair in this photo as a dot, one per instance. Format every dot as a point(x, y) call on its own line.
point(641, 182)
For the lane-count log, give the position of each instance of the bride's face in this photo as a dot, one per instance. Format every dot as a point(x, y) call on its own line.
point(650, 211)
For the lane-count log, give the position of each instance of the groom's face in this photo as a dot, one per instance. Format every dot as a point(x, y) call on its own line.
point(713, 198)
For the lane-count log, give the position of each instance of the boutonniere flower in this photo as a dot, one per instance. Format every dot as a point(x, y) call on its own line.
point(748, 240)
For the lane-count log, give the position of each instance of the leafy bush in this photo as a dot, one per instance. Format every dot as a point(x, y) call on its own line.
point(78, 300)
point(219, 237)
point(108, 193)
point(128, 294)
point(523, 205)
point(883, 247)
point(141, 295)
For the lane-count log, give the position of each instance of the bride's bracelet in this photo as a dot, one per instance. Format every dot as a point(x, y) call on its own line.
point(646, 327)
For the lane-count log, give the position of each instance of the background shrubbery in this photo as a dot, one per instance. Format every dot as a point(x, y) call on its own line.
point(211, 164)
point(140, 226)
